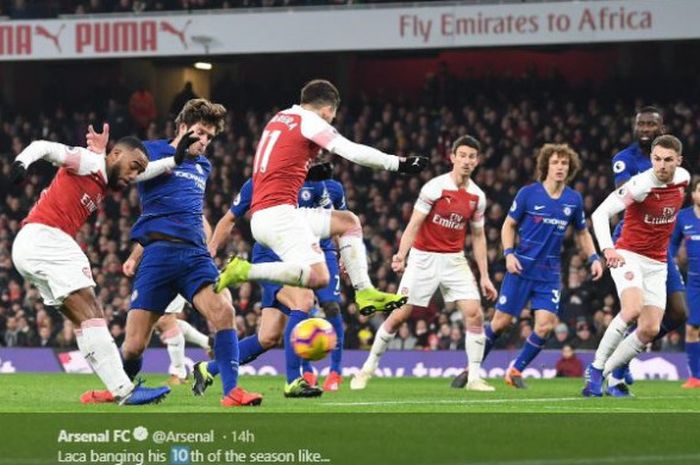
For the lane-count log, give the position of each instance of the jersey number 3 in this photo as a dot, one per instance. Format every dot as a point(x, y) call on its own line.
point(265, 146)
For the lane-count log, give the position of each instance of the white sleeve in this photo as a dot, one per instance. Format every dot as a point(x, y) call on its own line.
point(156, 168)
point(477, 220)
point(427, 197)
point(314, 128)
point(76, 159)
point(611, 206)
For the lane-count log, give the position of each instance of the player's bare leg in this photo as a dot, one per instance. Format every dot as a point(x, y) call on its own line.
point(384, 336)
point(692, 345)
point(98, 347)
point(346, 225)
point(675, 315)
point(545, 321)
point(474, 343)
point(219, 311)
point(631, 302)
point(500, 323)
point(174, 339)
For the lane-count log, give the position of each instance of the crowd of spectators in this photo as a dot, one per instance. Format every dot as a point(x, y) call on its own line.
point(32, 9)
point(512, 118)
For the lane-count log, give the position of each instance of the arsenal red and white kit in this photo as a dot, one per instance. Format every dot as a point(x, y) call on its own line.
point(651, 208)
point(437, 259)
point(44, 251)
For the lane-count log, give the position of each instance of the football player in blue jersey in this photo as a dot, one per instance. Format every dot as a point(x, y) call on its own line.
point(171, 250)
point(540, 216)
point(632, 160)
point(688, 230)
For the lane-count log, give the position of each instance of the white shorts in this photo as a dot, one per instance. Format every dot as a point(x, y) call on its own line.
point(176, 305)
point(52, 261)
point(643, 273)
point(426, 271)
point(287, 231)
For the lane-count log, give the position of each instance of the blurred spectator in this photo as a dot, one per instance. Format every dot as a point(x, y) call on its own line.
point(181, 99)
point(142, 108)
point(403, 340)
point(569, 365)
point(673, 342)
point(560, 337)
point(584, 339)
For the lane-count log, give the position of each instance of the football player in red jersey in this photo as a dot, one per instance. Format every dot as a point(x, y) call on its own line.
point(435, 236)
point(289, 142)
point(651, 201)
point(46, 254)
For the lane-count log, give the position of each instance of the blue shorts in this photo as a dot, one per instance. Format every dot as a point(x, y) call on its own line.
point(168, 269)
point(262, 254)
point(330, 293)
point(674, 279)
point(517, 291)
point(693, 296)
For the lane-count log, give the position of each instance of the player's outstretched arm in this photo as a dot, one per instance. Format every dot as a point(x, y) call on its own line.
point(508, 230)
point(398, 262)
point(481, 258)
point(165, 165)
point(221, 232)
point(72, 158)
point(97, 141)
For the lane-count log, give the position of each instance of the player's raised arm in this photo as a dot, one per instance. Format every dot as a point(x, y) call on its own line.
point(77, 159)
point(373, 158)
point(165, 165)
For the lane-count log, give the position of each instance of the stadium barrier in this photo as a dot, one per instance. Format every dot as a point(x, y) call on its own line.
point(670, 366)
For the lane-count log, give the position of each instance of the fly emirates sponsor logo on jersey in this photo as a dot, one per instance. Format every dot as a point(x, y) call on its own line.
point(668, 215)
point(89, 204)
point(454, 221)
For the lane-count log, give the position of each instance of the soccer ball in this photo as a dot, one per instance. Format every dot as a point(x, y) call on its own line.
point(313, 338)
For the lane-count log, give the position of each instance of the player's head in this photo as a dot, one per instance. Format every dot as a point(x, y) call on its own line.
point(695, 191)
point(557, 162)
point(465, 155)
point(204, 118)
point(666, 156)
point(125, 161)
point(321, 97)
point(648, 125)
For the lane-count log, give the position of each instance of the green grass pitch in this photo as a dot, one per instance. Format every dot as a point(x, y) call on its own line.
point(27, 393)
point(404, 421)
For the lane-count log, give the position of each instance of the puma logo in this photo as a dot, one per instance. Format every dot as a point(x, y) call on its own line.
point(168, 27)
point(42, 31)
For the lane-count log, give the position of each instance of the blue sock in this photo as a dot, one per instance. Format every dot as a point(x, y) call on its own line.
point(337, 354)
point(306, 367)
point(226, 353)
point(249, 349)
point(532, 347)
point(213, 367)
point(132, 367)
point(490, 339)
point(293, 360)
point(692, 349)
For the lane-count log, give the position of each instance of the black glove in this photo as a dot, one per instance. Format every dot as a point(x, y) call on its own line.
point(18, 172)
point(413, 165)
point(182, 147)
point(320, 172)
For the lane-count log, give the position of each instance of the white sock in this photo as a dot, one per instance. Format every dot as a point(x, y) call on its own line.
point(192, 335)
point(281, 272)
point(99, 349)
point(175, 341)
point(625, 352)
point(611, 339)
point(474, 344)
point(354, 255)
point(381, 342)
